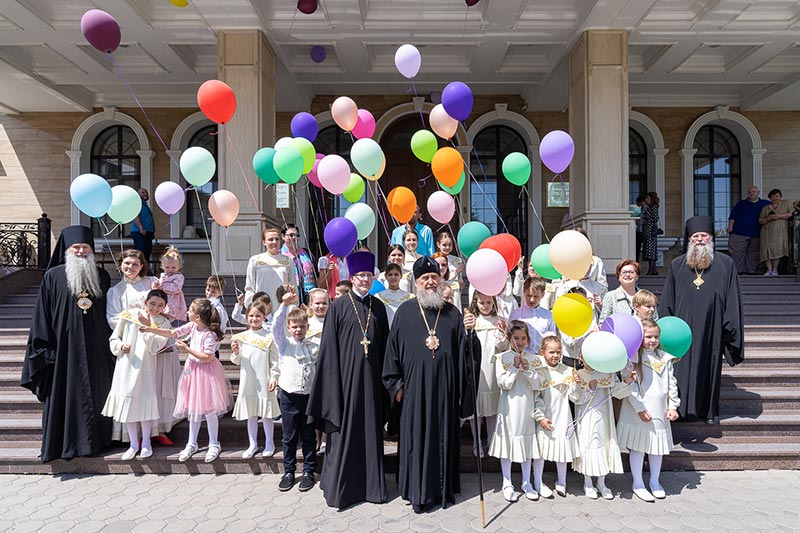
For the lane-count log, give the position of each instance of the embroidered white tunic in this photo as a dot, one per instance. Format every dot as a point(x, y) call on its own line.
point(256, 362)
point(406, 283)
point(267, 272)
point(392, 300)
point(492, 341)
point(314, 333)
point(561, 443)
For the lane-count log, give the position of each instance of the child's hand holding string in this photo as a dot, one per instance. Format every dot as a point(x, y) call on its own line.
point(546, 424)
point(645, 416)
point(672, 415)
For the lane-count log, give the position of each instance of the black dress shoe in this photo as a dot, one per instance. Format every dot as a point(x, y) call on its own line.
point(307, 481)
point(418, 509)
point(713, 421)
point(287, 482)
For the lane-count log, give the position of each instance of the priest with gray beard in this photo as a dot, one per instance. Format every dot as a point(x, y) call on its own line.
point(426, 367)
point(702, 288)
point(68, 364)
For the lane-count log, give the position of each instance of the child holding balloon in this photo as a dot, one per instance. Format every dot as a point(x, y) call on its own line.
point(644, 423)
point(171, 282)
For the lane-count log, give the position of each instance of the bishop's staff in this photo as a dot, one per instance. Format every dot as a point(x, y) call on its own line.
point(473, 388)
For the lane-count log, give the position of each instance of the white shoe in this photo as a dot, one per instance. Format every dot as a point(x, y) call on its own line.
point(475, 451)
point(146, 452)
point(658, 491)
point(249, 453)
point(561, 490)
point(187, 452)
point(590, 493)
point(545, 492)
point(510, 494)
point(129, 454)
point(644, 495)
point(531, 494)
point(606, 493)
point(266, 454)
point(213, 452)
point(768, 273)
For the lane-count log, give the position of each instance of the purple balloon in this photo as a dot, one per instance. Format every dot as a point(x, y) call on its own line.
point(457, 100)
point(627, 329)
point(317, 54)
point(307, 6)
point(305, 125)
point(556, 151)
point(170, 197)
point(341, 236)
point(101, 30)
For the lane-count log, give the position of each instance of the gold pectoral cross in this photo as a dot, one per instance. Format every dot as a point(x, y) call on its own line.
point(697, 282)
point(365, 342)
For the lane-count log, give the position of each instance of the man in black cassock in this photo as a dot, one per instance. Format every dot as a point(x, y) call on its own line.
point(702, 288)
point(68, 363)
point(426, 367)
point(347, 398)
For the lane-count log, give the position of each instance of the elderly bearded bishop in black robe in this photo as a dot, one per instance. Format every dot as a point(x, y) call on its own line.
point(68, 364)
point(702, 288)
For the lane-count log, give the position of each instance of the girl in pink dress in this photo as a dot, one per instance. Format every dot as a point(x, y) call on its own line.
point(171, 282)
point(203, 391)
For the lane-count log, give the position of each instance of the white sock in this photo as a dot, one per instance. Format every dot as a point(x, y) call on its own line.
point(561, 468)
point(147, 428)
point(526, 472)
point(505, 467)
point(213, 429)
point(269, 430)
point(252, 433)
point(637, 463)
point(601, 482)
point(655, 468)
point(491, 424)
point(538, 470)
point(587, 482)
point(476, 441)
point(194, 431)
point(133, 434)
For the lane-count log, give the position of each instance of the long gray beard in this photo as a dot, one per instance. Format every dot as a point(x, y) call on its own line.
point(432, 300)
point(700, 256)
point(82, 275)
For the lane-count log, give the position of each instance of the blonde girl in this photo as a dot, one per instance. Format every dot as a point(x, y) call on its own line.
point(446, 245)
point(171, 282)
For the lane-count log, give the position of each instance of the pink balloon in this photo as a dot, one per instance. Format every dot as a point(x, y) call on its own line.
point(486, 271)
point(101, 30)
point(345, 113)
point(365, 125)
point(334, 173)
point(312, 176)
point(441, 207)
point(224, 207)
point(442, 124)
point(170, 197)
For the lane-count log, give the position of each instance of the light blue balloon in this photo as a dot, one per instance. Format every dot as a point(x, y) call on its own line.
point(197, 165)
point(367, 156)
point(91, 194)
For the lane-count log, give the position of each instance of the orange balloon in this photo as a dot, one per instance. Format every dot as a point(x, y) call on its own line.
point(224, 207)
point(401, 203)
point(217, 101)
point(447, 166)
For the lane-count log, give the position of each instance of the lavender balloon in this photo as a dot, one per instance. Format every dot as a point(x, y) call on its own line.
point(627, 329)
point(556, 151)
point(170, 197)
point(457, 100)
point(317, 54)
point(101, 30)
point(408, 60)
point(305, 125)
point(341, 236)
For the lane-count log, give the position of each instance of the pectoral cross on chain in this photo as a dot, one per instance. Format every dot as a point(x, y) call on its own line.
point(365, 342)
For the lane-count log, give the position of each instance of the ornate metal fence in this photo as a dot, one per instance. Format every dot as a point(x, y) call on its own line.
point(25, 245)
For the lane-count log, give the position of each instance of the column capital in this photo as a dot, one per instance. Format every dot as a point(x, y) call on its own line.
point(758, 152)
point(74, 154)
point(687, 152)
point(660, 152)
point(146, 154)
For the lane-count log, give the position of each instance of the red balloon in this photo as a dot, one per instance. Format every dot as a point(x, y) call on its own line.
point(216, 101)
point(507, 245)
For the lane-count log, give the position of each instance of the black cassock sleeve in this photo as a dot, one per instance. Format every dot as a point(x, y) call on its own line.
point(40, 353)
point(732, 324)
point(325, 405)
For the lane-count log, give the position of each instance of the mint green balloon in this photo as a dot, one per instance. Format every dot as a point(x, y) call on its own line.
point(470, 237)
point(288, 164)
point(355, 188)
point(363, 217)
point(455, 189)
point(125, 204)
point(367, 156)
point(517, 168)
point(424, 145)
point(197, 165)
point(262, 165)
point(540, 261)
point(307, 151)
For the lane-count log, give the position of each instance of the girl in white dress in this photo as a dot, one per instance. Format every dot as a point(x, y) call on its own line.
point(591, 392)
point(445, 244)
point(393, 296)
point(397, 255)
point(556, 436)
point(644, 422)
point(491, 331)
point(133, 398)
point(256, 398)
point(318, 303)
point(410, 243)
point(515, 435)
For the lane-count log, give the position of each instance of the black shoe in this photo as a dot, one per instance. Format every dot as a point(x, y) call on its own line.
point(307, 481)
point(418, 509)
point(713, 421)
point(287, 482)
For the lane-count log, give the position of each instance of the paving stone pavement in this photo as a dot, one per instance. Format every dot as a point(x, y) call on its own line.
point(696, 501)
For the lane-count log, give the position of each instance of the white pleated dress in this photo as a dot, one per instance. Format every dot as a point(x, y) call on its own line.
point(559, 445)
point(314, 332)
point(256, 361)
point(515, 433)
point(657, 393)
point(492, 341)
point(597, 435)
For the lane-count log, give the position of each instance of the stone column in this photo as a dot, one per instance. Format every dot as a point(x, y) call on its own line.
point(598, 123)
point(246, 62)
point(687, 165)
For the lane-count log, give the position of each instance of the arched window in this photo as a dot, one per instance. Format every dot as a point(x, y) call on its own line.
point(194, 215)
point(492, 191)
point(114, 156)
point(717, 174)
point(637, 166)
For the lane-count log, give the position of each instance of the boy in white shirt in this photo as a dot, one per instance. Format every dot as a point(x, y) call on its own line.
point(538, 319)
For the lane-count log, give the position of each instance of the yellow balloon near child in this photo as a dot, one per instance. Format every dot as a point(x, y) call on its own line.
point(573, 314)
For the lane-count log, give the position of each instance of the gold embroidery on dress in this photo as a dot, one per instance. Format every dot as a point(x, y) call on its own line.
point(253, 340)
point(655, 364)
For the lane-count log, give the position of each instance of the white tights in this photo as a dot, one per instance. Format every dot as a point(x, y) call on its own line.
point(133, 434)
point(213, 430)
point(538, 470)
point(505, 466)
point(601, 481)
point(491, 423)
point(637, 465)
point(252, 432)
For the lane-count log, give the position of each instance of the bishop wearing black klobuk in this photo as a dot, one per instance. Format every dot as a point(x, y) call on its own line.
point(347, 398)
point(426, 367)
point(702, 288)
point(68, 363)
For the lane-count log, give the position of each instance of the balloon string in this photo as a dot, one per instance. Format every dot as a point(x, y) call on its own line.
point(311, 205)
point(244, 176)
point(230, 255)
point(171, 237)
point(564, 192)
point(386, 203)
point(586, 408)
point(205, 231)
point(421, 182)
point(414, 87)
point(105, 233)
point(381, 216)
point(538, 218)
point(299, 218)
point(485, 178)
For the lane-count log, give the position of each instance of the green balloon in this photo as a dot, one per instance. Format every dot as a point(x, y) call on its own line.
point(424, 145)
point(455, 189)
point(262, 165)
point(517, 168)
point(125, 204)
point(288, 164)
point(197, 165)
point(363, 217)
point(355, 188)
point(676, 335)
point(470, 237)
point(540, 261)
point(307, 151)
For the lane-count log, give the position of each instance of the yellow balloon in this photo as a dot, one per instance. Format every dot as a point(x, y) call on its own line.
point(573, 314)
point(377, 176)
point(571, 254)
point(179, 3)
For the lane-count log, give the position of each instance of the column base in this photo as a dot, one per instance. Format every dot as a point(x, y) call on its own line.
point(612, 234)
point(234, 247)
